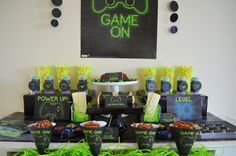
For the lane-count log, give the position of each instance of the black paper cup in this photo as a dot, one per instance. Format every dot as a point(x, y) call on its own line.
point(145, 137)
point(42, 138)
point(93, 136)
point(184, 139)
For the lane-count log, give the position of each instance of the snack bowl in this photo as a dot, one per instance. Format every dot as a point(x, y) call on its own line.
point(100, 123)
point(93, 131)
point(145, 134)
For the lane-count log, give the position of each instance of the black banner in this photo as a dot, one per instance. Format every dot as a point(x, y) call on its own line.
point(119, 28)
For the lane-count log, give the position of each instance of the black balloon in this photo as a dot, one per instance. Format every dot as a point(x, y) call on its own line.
point(174, 29)
point(174, 6)
point(174, 17)
point(56, 12)
point(54, 23)
point(57, 2)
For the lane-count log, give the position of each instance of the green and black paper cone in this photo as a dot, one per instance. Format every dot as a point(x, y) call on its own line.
point(184, 139)
point(42, 138)
point(145, 137)
point(93, 136)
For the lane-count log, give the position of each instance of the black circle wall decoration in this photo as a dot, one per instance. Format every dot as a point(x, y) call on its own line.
point(57, 2)
point(174, 17)
point(174, 29)
point(174, 6)
point(56, 12)
point(54, 23)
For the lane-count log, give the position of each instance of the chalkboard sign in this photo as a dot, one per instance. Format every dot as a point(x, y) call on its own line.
point(116, 101)
point(111, 134)
point(119, 29)
point(166, 118)
point(52, 106)
point(185, 107)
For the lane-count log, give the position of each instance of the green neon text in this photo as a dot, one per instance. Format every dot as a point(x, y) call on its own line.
point(120, 25)
point(130, 20)
point(120, 32)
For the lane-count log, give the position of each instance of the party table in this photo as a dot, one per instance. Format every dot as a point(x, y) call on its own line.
point(9, 145)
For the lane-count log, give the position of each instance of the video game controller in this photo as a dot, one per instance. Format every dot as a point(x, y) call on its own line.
point(139, 6)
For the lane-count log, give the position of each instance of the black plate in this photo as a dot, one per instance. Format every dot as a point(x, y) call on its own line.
point(174, 6)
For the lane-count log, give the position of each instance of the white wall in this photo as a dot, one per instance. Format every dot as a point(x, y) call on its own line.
point(206, 40)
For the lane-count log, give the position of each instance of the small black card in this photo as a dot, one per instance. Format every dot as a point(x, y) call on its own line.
point(52, 106)
point(114, 76)
point(116, 101)
point(167, 118)
point(111, 134)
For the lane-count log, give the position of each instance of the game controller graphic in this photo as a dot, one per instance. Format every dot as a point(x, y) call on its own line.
point(139, 6)
point(49, 110)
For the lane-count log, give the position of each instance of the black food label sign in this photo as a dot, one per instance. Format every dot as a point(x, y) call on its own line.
point(185, 107)
point(52, 106)
point(116, 101)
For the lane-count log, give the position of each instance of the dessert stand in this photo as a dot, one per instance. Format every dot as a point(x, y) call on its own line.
point(114, 86)
point(113, 116)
